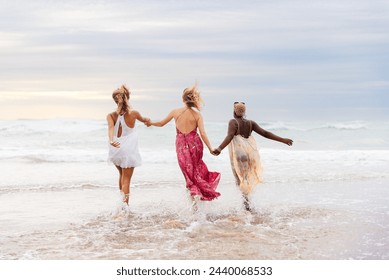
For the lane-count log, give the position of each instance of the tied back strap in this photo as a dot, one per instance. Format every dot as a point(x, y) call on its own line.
point(118, 125)
point(193, 114)
point(238, 131)
point(120, 120)
point(181, 114)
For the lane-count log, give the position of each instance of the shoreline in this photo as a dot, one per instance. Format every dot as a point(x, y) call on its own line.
point(293, 221)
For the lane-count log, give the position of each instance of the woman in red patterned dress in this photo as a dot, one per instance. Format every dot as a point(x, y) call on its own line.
point(200, 182)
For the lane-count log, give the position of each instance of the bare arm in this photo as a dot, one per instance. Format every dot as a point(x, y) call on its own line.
point(140, 118)
point(269, 135)
point(161, 123)
point(111, 126)
point(232, 128)
point(203, 134)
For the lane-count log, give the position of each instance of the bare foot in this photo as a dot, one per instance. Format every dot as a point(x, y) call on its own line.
point(246, 203)
point(195, 200)
point(126, 198)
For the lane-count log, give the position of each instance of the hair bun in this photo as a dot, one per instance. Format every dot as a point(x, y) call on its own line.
point(240, 109)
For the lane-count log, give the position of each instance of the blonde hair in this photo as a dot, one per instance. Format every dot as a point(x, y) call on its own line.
point(121, 96)
point(191, 97)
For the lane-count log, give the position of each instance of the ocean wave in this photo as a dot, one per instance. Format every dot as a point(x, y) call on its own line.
point(53, 188)
point(353, 125)
point(278, 126)
point(330, 178)
point(36, 159)
point(309, 126)
point(51, 126)
point(62, 187)
point(66, 141)
point(86, 156)
point(82, 125)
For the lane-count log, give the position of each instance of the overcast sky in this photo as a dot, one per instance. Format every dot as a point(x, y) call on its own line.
point(287, 59)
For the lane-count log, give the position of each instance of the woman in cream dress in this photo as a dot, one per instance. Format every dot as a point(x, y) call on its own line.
point(244, 155)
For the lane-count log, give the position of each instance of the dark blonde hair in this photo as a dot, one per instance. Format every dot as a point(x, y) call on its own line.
point(121, 96)
point(191, 97)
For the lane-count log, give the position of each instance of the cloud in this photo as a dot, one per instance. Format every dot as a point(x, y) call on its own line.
point(297, 51)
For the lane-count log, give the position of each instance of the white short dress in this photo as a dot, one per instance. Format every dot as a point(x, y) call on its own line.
point(127, 155)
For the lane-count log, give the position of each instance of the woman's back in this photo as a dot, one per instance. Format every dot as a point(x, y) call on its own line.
point(186, 119)
point(129, 118)
point(243, 127)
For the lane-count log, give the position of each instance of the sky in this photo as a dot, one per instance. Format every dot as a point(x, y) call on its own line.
point(287, 59)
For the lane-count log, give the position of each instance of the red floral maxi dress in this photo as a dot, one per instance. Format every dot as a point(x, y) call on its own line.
point(199, 181)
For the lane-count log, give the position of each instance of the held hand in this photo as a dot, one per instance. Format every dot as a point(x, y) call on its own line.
point(215, 152)
point(147, 122)
point(288, 141)
point(115, 144)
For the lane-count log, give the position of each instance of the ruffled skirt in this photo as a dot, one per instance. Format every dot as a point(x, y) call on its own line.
point(127, 155)
point(245, 163)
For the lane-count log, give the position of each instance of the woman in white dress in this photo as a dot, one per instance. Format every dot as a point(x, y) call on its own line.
point(123, 139)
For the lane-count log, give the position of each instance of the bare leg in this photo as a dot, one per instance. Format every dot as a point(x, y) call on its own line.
point(125, 182)
point(246, 203)
point(195, 207)
point(120, 176)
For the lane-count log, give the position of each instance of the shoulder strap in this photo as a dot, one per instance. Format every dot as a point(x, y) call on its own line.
point(238, 131)
point(181, 114)
point(120, 119)
point(193, 115)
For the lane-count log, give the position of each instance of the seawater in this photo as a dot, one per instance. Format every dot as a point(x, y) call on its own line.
point(324, 198)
